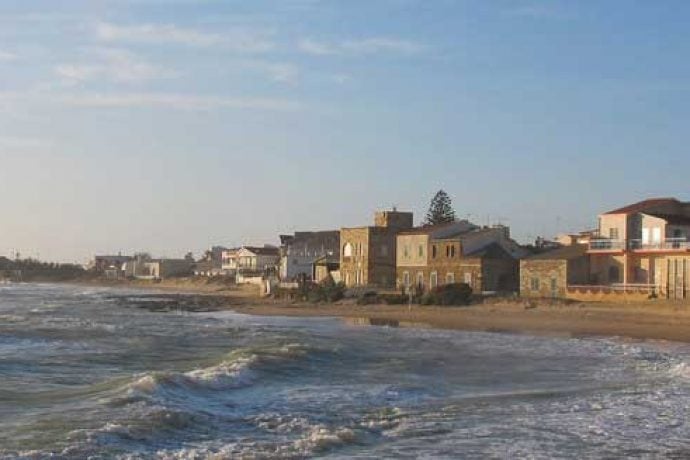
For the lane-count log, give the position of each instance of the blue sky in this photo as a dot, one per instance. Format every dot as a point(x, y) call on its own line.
point(171, 125)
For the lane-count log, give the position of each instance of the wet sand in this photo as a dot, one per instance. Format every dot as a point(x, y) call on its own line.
point(659, 320)
point(638, 321)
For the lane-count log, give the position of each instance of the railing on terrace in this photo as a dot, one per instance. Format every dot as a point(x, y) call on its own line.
point(605, 244)
point(615, 288)
point(681, 244)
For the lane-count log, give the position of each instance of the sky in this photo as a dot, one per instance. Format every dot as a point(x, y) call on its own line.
point(173, 125)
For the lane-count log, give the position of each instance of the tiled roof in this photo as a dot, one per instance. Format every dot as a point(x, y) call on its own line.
point(643, 205)
point(673, 219)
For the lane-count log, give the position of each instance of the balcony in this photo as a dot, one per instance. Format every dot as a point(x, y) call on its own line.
point(606, 245)
point(669, 244)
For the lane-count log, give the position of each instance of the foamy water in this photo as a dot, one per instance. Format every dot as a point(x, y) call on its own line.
point(85, 373)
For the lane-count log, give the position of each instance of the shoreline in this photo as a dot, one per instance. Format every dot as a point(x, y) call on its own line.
point(654, 320)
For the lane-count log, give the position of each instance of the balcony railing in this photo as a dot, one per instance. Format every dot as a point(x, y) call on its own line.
point(605, 244)
point(669, 244)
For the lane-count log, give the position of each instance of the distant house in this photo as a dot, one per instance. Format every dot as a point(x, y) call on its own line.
point(367, 254)
point(550, 273)
point(299, 252)
point(211, 264)
point(458, 252)
point(144, 267)
point(251, 261)
point(110, 266)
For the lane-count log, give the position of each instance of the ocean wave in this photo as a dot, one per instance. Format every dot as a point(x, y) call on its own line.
point(239, 369)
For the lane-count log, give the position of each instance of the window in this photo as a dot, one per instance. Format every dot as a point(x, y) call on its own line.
point(406, 251)
point(433, 280)
point(452, 251)
point(420, 280)
point(447, 251)
point(613, 233)
point(450, 278)
point(468, 279)
point(421, 250)
point(406, 279)
point(347, 250)
point(534, 284)
point(433, 251)
point(554, 287)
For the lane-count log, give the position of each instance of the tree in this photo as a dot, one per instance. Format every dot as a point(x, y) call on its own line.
point(440, 209)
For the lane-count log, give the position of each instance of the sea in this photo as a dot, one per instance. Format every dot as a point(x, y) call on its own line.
point(96, 373)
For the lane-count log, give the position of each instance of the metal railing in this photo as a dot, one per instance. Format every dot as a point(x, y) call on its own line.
point(681, 244)
point(669, 244)
point(605, 244)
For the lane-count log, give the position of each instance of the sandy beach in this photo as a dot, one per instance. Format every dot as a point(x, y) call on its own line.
point(656, 320)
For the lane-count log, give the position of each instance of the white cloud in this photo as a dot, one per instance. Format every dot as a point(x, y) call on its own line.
point(245, 41)
point(372, 45)
point(6, 56)
point(112, 64)
point(173, 101)
point(310, 46)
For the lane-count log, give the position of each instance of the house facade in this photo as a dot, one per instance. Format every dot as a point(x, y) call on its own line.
point(368, 254)
point(645, 244)
point(299, 252)
point(458, 252)
point(144, 267)
point(250, 260)
point(549, 274)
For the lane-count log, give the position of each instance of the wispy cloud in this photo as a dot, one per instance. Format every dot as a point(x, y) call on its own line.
point(6, 56)
point(112, 64)
point(173, 101)
point(365, 46)
point(240, 40)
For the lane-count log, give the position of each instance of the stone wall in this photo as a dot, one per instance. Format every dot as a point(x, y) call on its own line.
point(543, 278)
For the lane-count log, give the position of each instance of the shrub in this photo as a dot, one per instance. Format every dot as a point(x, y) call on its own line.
point(368, 298)
point(449, 294)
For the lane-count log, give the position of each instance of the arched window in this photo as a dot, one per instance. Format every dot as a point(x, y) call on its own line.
point(347, 250)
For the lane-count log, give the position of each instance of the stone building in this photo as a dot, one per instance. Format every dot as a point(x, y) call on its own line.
point(458, 252)
point(299, 252)
point(549, 274)
point(367, 254)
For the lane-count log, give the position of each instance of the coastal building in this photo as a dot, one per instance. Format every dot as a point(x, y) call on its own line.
point(110, 266)
point(367, 254)
point(142, 266)
point(211, 264)
point(250, 261)
point(299, 252)
point(550, 273)
point(486, 258)
point(325, 267)
point(645, 245)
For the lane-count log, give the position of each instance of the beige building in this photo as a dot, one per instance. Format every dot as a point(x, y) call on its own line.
point(644, 245)
point(457, 252)
point(367, 254)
